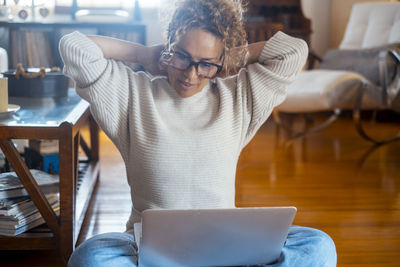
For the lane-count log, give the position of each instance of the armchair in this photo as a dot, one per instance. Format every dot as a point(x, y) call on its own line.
point(363, 74)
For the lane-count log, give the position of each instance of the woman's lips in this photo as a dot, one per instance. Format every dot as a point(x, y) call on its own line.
point(187, 85)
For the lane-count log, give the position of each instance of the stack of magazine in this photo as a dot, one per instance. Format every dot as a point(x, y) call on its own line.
point(18, 213)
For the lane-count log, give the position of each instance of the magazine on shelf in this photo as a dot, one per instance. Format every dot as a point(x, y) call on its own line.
point(13, 222)
point(23, 228)
point(22, 206)
point(22, 214)
point(11, 186)
point(14, 206)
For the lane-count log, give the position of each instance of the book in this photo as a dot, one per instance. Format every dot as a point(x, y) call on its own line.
point(14, 222)
point(28, 49)
point(25, 227)
point(20, 207)
point(11, 186)
point(20, 230)
point(13, 206)
point(20, 215)
point(47, 49)
point(13, 52)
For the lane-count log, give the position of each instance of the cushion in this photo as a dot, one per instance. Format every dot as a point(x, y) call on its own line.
point(372, 24)
point(324, 90)
point(362, 61)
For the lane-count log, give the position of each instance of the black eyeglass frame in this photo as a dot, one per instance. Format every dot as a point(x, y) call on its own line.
point(167, 55)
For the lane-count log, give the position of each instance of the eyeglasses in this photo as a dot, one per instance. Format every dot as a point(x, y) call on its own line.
point(181, 61)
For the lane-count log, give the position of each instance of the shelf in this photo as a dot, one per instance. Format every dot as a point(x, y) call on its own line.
point(264, 17)
point(35, 44)
point(28, 241)
point(41, 237)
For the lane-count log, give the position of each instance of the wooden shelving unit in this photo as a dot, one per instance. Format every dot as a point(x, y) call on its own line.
point(78, 176)
point(35, 44)
point(265, 17)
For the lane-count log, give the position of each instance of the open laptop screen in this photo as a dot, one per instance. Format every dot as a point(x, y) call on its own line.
point(213, 237)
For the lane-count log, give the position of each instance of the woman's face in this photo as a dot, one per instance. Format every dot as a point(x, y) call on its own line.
point(198, 45)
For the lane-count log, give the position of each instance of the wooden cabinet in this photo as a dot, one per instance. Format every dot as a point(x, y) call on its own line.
point(265, 17)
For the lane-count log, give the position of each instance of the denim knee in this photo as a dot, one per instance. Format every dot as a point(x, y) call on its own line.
point(325, 248)
point(308, 247)
point(329, 247)
point(109, 249)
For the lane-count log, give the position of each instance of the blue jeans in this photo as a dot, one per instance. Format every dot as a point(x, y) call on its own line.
point(304, 247)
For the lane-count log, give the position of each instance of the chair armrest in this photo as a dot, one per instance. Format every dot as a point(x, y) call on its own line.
point(390, 85)
point(312, 56)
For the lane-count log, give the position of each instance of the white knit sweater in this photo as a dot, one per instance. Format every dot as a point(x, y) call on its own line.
point(181, 152)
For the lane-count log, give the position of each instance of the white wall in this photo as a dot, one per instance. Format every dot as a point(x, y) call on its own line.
point(154, 30)
point(318, 11)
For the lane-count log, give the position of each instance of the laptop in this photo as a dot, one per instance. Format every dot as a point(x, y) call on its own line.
point(212, 237)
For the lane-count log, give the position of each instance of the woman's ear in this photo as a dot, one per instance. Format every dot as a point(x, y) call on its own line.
point(165, 57)
point(163, 67)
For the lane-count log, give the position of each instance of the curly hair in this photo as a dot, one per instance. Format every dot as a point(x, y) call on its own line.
point(223, 18)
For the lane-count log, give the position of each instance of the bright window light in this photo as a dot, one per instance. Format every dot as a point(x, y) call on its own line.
point(150, 3)
point(108, 3)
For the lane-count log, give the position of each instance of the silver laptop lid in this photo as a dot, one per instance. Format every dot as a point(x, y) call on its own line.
point(213, 237)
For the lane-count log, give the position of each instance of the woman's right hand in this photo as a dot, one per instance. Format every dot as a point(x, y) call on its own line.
point(151, 61)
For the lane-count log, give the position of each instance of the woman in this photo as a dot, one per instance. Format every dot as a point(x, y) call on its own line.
point(181, 133)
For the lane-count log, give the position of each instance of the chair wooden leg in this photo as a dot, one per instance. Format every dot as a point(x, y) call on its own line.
point(335, 114)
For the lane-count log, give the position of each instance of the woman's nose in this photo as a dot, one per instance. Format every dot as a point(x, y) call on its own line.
point(191, 72)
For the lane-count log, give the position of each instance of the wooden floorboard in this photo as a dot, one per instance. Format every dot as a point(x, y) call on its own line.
point(339, 182)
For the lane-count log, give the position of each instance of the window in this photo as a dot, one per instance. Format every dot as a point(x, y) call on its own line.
point(125, 4)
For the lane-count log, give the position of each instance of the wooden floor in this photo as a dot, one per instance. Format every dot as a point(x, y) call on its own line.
point(340, 184)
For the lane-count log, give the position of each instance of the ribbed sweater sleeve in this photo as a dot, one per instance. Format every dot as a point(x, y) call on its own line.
point(83, 59)
point(105, 83)
point(263, 85)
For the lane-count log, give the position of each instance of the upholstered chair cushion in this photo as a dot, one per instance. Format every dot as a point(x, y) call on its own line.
point(372, 24)
point(362, 61)
point(325, 90)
